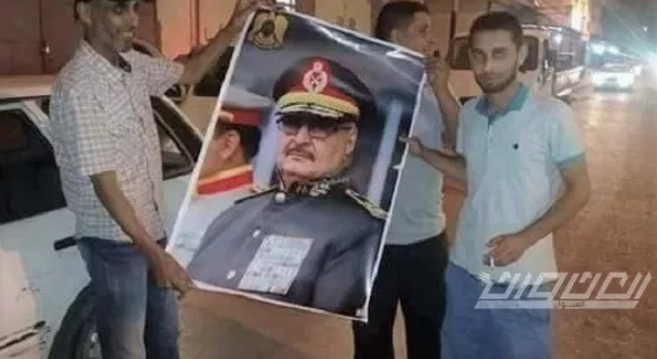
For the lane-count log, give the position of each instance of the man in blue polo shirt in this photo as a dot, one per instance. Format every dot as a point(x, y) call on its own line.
point(522, 157)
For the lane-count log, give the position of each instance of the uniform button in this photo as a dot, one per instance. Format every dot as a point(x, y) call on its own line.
point(279, 197)
point(256, 233)
point(231, 274)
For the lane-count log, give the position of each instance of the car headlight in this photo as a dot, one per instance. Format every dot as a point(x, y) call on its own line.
point(598, 79)
point(626, 80)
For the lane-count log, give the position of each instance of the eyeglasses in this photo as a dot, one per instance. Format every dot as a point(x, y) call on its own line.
point(317, 128)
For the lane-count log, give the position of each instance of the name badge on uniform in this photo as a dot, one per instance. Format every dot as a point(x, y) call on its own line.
point(275, 264)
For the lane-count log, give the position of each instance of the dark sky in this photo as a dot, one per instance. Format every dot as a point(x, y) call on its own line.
point(623, 22)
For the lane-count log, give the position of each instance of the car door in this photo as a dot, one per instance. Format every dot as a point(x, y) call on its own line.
point(37, 284)
point(180, 145)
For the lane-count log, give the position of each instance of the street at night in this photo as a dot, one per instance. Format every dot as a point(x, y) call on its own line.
point(616, 230)
point(277, 128)
point(614, 233)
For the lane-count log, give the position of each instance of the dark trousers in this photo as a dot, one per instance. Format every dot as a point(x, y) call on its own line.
point(135, 318)
point(412, 275)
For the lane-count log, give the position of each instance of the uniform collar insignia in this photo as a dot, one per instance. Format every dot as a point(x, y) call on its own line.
point(318, 187)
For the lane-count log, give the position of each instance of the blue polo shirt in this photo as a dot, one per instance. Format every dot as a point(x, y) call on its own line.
point(513, 161)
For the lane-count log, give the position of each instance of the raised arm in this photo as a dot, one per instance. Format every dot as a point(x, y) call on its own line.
point(451, 165)
point(438, 76)
point(198, 64)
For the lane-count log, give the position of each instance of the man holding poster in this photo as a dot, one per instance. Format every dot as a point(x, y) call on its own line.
point(415, 255)
point(107, 147)
point(524, 161)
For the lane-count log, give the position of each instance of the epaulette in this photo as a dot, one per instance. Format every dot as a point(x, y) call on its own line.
point(374, 210)
point(257, 190)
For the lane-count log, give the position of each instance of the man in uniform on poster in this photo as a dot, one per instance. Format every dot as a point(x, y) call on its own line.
point(310, 240)
point(226, 174)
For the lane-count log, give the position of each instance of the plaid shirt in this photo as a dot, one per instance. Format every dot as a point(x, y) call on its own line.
point(102, 120)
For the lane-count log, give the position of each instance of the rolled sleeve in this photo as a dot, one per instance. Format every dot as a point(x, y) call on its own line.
point(158, 73)
point(566, 143)
point(84, 133)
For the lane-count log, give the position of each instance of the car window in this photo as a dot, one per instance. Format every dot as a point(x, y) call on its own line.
point(176, 159)
point(531, 62)
point(29, 176)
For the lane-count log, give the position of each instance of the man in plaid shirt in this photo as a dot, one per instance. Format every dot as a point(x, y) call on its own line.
point(106, 144)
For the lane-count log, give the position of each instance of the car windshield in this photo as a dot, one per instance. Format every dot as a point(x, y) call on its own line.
point(459, 57)
point(616, 68)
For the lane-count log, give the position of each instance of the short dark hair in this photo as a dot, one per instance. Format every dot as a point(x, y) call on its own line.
point(395, 15)
point(249, 137)
point(76, 16)
point(498, 20)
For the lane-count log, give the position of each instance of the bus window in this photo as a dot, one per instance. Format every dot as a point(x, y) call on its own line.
point(459, 57)
point(531, 62)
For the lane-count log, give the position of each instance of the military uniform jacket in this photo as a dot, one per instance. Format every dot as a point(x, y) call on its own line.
point(311, 250)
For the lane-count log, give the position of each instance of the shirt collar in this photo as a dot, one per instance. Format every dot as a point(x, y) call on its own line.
point(102, 65)
point(225, 180)
point(484, 108)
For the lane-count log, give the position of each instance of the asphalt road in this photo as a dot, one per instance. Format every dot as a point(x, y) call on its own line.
point(616, 232)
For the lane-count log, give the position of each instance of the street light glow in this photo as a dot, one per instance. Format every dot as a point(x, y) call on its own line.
point(558, 38)
point(598, 49)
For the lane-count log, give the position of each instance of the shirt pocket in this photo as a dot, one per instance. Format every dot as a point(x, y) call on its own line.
point(523, 158)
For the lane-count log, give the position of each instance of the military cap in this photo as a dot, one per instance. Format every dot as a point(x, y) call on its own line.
point(322, 87)
point(245, 107)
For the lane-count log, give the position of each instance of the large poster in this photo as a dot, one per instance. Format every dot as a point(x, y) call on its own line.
point(290, 200)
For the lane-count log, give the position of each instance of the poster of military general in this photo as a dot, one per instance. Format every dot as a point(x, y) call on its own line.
point(291, 197)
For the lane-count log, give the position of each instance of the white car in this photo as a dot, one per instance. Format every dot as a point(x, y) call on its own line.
point(45, 300)
point(615, 76)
